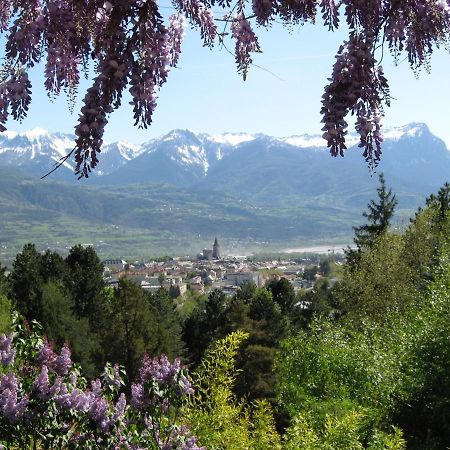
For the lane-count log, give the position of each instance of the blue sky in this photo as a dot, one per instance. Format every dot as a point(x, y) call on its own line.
point(282, 98)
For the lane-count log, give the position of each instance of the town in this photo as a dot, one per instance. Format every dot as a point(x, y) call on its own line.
point(213, 270)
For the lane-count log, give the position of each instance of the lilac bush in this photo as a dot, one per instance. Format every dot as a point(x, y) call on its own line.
point(133, 48)
point(46, 402)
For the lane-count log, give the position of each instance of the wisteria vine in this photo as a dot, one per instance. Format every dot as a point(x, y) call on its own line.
point(133, 46)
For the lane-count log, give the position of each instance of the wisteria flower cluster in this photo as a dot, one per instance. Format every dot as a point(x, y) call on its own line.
point(133, 46)
point(357, 86)
point(44, 400)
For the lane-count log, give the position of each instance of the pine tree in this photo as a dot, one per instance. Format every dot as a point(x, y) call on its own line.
point(26, 283)
point(378, 216)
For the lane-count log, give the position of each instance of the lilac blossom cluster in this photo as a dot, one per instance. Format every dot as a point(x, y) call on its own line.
point(133, 48)
point(7, 352)
point(158, 377)
point(13, 404)
point(43, 394)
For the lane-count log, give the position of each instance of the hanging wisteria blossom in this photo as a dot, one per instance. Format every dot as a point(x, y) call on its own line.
point(133, 46)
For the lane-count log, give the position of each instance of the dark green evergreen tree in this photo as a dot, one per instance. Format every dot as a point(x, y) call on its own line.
point(378, 217)
point(26, 282)
point(441, 201)
point(84, 281)
point(246, 291)
point(131, 327)
point(53, 266)
point(168, 329)
point(61, 325)
point(283, 293)
point(204, 326)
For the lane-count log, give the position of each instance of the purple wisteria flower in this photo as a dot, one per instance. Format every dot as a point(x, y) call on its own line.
point(246, 43)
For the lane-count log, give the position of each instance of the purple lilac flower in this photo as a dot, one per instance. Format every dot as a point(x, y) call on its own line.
point(160, 369)
point(73, 377)
point(96, 387)
point(63, 361)
point(120, 408)
point(99, 413)
point(137, 396)
point(41, 384)
point(185, 385)
point(46, 355)
point(7, 353)
point(111, 376)
point(77, 400)
point(182, 439)
point(10, 407)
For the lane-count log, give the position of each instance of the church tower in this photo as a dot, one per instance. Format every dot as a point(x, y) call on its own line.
point(216, 249)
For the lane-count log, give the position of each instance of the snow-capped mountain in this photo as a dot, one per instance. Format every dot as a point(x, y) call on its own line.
point(35, 151)
point(115, 155)
point(184, 158)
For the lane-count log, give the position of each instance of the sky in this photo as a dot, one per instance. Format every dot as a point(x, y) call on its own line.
point(281, 96)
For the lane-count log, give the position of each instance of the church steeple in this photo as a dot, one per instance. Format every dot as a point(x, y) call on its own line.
point(216, 249)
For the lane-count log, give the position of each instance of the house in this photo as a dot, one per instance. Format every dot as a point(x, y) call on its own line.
point(116, 265)
point(239, 278)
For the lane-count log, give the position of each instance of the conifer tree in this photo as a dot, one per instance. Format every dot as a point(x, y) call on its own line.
point(26, 283)
point(378, 217)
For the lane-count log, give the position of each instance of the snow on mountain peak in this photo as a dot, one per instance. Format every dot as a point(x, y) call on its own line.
point(411, 130)
point(128, 150)
point(232, 138)
point(193, 155)
point(35, 134)
point(316, 141)
point(32, 135)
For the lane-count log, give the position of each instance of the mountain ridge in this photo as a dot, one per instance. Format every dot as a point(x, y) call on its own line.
point(188, 187)
point(37, 150)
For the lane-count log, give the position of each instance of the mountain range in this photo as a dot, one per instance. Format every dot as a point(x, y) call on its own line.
point(188, 186)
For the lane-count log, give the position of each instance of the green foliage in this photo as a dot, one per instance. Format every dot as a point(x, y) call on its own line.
point(26, 283)
point(62, 325)
point(215, 415)
point(246, 291)
point(310, 273)
point(346, 432)
point(325, 267)
point(379, 216)
point(392, 364)
point(5, 314)
point(52, 266)
point(283, 293)
point(189, 302)
point(205, 325)
point(84, 281)
point(168, 329)
point(130, 327)
point(381, 284)
point(3, 280)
